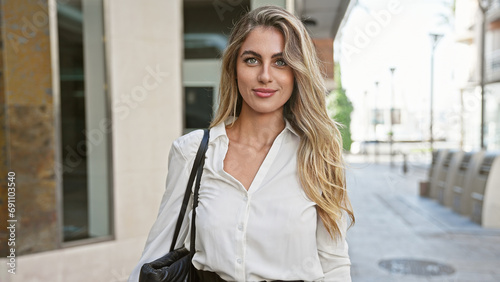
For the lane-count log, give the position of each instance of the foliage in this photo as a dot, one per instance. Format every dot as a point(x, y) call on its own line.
point(340, 108)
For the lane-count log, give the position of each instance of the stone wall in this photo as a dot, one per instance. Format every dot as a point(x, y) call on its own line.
point(27, 130)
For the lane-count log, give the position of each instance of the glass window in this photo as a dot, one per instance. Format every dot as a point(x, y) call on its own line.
point(198, 102)
point(207, 25)
point(492, 118)
point(85, 126)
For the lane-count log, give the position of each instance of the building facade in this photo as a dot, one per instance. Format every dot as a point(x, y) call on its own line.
point(468, 29)
point(492, 69)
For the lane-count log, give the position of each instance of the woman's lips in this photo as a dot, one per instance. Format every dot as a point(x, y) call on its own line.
point(264, 92)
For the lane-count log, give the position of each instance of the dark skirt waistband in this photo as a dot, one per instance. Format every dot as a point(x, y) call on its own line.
point(208, 276)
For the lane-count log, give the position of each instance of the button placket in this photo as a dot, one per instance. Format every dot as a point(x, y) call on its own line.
point(241, 236)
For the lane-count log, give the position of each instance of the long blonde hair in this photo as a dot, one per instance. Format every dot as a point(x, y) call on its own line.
point(320, 163)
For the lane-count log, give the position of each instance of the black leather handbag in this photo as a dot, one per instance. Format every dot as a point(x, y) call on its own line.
point(176, 265)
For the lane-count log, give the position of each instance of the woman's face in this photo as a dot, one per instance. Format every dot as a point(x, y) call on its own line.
point(265, 81)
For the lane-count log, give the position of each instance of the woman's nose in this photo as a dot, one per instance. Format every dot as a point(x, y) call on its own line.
point(265, 74)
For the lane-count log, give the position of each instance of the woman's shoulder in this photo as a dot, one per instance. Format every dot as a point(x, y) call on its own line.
point(188, 143)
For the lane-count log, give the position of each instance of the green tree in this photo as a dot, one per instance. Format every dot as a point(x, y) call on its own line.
point(340, 108)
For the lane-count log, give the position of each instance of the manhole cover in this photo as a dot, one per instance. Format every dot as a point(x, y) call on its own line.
point(416, 267)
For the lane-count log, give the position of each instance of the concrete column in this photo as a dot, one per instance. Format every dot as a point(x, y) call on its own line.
point(144, 47)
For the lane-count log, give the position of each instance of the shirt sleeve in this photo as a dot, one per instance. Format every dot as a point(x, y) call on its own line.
point(333, 253)
point(161, 234)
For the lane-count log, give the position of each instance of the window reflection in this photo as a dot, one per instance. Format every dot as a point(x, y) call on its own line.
point(85, 183)
point(74, 153)
point(207, 25)
point(206, 29)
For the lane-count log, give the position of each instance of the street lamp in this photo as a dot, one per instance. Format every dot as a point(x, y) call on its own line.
point(484, 5)
point(434, 41)
point(375, 123)
point(391, 131)
point(366, 109)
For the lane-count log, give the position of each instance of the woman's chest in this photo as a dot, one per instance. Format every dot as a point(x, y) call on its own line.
point(278, 208)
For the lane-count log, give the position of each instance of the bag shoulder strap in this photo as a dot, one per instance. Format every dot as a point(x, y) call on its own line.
point(196, 171)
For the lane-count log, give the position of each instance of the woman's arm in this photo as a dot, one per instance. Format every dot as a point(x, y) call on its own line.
point(333, 254)
point(161, 234)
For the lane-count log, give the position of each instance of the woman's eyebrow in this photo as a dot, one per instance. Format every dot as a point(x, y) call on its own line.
point(251, 53)
point(280, 54)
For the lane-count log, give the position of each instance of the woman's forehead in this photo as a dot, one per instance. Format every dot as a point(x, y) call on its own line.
point(263, 40)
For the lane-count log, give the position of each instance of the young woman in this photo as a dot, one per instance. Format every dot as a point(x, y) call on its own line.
point(272, 202)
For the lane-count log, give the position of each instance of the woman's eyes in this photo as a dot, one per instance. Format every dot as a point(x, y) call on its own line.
point(254, 61)
point(280, 63)
point(251, 61)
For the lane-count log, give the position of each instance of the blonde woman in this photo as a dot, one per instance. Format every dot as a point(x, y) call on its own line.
point(272, 203)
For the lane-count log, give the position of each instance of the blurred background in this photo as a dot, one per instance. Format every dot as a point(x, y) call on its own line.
point(93, 93)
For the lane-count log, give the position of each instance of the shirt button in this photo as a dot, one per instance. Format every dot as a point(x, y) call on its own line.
point(239, 261)
point(245, 198)
point(240, 227)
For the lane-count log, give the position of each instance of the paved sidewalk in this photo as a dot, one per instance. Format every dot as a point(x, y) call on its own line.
point(393, 223)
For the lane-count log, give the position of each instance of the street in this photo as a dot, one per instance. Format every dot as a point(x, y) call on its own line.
point(400, 236)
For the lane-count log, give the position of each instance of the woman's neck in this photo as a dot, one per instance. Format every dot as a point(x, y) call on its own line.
point(256, 130)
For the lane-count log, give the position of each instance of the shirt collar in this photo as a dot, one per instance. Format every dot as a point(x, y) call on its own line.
point(290, 128)
point(220, 129)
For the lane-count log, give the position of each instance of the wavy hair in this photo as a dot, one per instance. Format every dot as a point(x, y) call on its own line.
point(320, 164)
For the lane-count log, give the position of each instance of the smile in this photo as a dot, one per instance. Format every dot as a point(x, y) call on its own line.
point(264, 92)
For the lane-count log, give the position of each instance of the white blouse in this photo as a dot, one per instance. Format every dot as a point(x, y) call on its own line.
point(270, 232)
